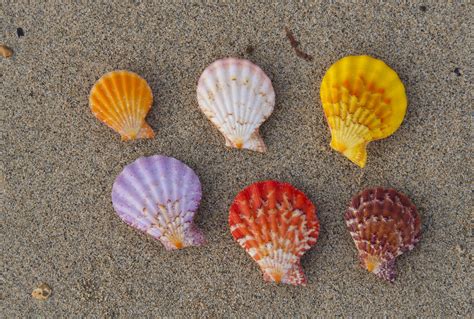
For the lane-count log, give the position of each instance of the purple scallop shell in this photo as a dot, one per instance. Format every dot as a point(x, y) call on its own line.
point(159, 195)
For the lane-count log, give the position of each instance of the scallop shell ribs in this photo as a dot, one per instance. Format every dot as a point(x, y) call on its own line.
point(237, 97)
point(121, 100)
point(159, 196)
point(383, 224)
point(363, 100)
point(276, 224)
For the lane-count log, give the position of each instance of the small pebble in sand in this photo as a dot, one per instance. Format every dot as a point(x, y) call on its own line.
point(459, 249)
point(20, 32)
point(43, 292)
point(5, 51)
point(249, 49)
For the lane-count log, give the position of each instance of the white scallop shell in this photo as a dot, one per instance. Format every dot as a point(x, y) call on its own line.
point(237, 96)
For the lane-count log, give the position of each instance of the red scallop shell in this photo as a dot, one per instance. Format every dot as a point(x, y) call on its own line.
point(383, 224)
point(276, 224)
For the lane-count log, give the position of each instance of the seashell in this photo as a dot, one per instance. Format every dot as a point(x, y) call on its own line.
point(363, 100)
point(122, 99)
point(42, 292)
point(383, 224)
point(275, 223)
point(237, 96)
point(159, 195)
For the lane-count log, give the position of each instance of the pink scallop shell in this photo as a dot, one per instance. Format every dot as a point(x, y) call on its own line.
point(159, 196)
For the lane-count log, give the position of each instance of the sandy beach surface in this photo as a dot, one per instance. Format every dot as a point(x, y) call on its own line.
point(59, 163)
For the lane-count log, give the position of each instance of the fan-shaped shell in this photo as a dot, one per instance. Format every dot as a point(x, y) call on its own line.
point(237, 96)
point(122, 99)
point(276, 224)
point(383, 224)
point(159, 195)
point(363, 100)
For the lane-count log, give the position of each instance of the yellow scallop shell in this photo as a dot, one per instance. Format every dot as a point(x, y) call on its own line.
point(122, 99)
point(363, 100)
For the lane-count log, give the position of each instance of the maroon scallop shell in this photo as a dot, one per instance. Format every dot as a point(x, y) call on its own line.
point(383, 224)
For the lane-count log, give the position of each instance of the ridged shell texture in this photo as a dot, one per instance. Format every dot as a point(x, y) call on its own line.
point(363, 100)
point(122, 99)
point(276, 224)
point(159, 195)
point(237, 96)
point(383, 224)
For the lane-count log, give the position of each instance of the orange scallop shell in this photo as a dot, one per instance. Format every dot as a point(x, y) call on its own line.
point(122, 99)
point(383, 224)
point(276, 224)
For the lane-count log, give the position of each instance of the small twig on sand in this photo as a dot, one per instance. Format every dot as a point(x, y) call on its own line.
point(294, 44)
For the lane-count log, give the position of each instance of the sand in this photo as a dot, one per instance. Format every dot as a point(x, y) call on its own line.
point(59, 162)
